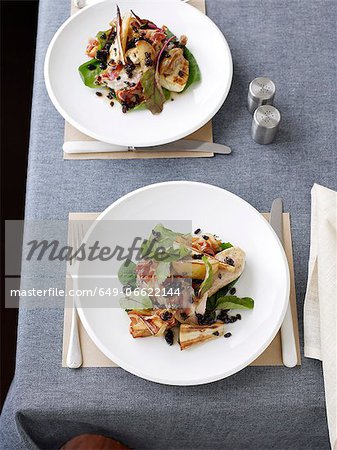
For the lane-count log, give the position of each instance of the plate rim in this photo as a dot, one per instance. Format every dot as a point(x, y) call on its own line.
point(205, 380)
point(94, 135)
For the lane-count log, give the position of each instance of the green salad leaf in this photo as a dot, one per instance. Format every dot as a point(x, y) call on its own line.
point(163, 271)
point(127, 274)
point(160, 235)
point(208, 281)
point(171, 254)
point(153, 93)
point(234, 302)
point(162, 246)
point(142, 106)
point(136, 302)
point(102, 37)
point(225, 245)
point(212, 301)
point(195, 73)
point(88, 71)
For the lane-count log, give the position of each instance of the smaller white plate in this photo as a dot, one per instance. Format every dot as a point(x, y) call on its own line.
point(94, 117)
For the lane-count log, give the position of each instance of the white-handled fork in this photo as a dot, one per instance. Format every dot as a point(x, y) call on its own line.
point(74, 355)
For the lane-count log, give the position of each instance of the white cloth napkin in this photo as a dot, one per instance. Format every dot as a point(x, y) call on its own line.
point(320, 308)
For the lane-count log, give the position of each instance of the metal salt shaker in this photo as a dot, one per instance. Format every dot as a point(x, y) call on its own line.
point(266, 122)
point(261, 92)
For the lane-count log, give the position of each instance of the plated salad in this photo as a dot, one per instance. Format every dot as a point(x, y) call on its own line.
point(138, 64)
point(183, 282)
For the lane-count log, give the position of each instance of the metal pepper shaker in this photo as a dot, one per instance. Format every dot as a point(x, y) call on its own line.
point(266, 122)
point(261, 92)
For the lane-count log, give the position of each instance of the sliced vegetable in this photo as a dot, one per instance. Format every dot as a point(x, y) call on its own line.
point(174, 70)
point(126, 21)
point(146, 54)
point(195, 73)
point(150, 323)
point(195, 269)
point(195, 334)
point(121, 54)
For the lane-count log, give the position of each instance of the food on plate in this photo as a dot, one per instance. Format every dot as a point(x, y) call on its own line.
point(150, 323)
point(194, 334)
point(183, 282)
point(138, 64)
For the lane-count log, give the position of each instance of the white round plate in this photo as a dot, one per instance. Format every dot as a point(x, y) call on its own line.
point(93, 116)
point(265, 279)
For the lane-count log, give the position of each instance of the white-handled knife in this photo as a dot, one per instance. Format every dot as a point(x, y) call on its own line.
point(177, 146)
point(289, 352)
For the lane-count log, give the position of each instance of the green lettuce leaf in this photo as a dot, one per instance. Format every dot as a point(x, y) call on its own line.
point(233, 302)
point(102, 37)
point(127, 274)
point(172, 254)
point(212, 301)
point(89, 76)
point(136, 302)
point(163, 271)
point(225, 245)
point(142, 106)
point(208, 281)
point(195, 73)
point(153, 93)
point(162, 246)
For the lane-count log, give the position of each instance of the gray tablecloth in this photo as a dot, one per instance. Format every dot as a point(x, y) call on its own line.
point(293, 42)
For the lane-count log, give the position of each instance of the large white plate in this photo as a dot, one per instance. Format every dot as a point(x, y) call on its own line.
point(93, 116)
point(266, 279)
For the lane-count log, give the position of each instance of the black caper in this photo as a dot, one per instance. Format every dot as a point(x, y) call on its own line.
point(169, 337)
point(166, 316)
point(229, 261)
point(156, 234)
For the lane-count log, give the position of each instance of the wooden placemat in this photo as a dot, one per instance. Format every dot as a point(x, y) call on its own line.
point(205, 133)
point(93, 357)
